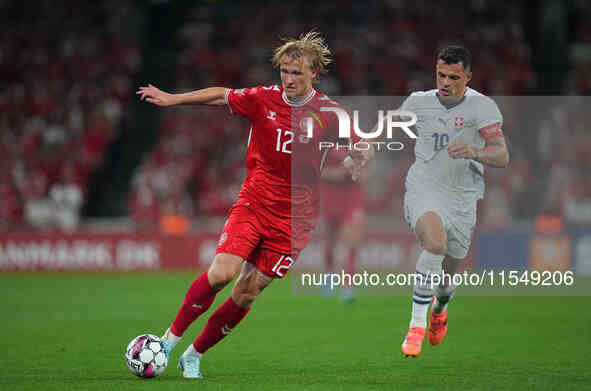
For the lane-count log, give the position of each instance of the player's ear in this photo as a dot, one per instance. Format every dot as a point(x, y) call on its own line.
point(314, 74)
point(468, 76)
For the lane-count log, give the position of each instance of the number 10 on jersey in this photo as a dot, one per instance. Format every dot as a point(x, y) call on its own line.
point(441, 141)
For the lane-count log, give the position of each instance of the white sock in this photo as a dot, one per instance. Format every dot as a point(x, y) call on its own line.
point(192, 351)
point(427, 265)
point(170, 338)
point(443, 296)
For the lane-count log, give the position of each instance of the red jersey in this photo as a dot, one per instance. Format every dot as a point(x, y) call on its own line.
point(283, 163)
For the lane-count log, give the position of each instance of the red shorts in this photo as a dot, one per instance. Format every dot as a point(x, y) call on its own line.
point(343, 204)
point(270, 243)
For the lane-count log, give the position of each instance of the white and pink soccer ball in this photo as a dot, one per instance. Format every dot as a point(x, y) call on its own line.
point(145, 356)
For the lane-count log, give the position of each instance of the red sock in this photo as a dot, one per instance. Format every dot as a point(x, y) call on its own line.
point(198, 299)
point(219, 324)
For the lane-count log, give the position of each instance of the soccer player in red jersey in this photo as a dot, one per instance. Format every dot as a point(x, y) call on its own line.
point(343, 210)
point(278, 205)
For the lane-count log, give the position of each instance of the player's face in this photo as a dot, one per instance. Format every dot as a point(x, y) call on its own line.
point(451, 80)
point(296, 76)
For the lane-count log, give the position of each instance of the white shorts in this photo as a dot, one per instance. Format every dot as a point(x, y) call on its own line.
point(458, 224)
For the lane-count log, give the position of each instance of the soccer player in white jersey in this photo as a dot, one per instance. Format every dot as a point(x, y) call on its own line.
point(459, 131)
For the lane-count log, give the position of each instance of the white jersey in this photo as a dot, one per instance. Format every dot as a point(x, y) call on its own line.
point(457, 181)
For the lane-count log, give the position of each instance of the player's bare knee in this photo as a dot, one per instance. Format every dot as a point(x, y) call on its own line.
point(431, 233)
point(223, 270)
point(218, 278)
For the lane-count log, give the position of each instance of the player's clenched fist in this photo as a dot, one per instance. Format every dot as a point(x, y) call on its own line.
point(458, 149)
point(156, 96)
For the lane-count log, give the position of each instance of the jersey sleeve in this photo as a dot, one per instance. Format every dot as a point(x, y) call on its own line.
point(489, 120)
point(410, 104)
point(407, 105)
point(413, 102)
point(244, 101)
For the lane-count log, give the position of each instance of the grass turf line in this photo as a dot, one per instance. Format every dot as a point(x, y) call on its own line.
point(68, 331)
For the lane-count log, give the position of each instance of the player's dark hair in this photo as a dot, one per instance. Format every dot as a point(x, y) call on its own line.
point(456, 54)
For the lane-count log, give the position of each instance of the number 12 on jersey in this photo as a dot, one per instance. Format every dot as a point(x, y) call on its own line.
point(284, 263)
point(284, 138)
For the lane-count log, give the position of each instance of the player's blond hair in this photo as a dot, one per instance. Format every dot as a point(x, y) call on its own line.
point(311, 45)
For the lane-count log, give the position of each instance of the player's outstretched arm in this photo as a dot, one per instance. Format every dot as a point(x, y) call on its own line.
point(493, 154)
point(208, 96)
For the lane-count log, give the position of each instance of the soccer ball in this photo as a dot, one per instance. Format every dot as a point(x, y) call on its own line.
point(145, 356)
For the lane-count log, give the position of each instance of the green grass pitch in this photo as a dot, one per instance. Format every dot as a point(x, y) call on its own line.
point(68, 331)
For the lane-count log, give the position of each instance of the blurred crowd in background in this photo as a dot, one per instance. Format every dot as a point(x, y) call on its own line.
point(68, 78)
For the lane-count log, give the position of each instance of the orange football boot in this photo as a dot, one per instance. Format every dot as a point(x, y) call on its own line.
point(413, 342)
point(437, 327)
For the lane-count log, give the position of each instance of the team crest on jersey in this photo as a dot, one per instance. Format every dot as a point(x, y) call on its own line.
point(307, 126)
point(308, 123)
point(459, 122)
point(239, 91)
